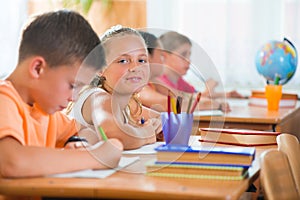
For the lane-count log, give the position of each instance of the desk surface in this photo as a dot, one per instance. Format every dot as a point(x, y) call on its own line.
point(253, 117)
point(242, 112)
point(132, 183)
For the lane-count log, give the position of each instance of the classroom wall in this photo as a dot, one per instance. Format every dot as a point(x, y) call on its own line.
point(231, 32)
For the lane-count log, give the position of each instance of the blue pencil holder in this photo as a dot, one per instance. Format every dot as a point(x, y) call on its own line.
point(177, 128)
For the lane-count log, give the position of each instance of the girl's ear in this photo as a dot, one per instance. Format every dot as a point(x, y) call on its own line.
point(37, 66)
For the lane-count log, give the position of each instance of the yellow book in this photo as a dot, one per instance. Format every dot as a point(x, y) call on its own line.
point(196, 170)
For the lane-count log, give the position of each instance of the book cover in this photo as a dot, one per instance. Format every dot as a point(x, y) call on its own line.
point(239, 137)
point(239, 156)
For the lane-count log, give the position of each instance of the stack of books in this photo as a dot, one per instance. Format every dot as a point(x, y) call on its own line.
point(258, 98)
point(239, 137)
point(220, 163)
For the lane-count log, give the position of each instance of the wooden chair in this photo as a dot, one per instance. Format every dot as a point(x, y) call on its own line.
point(289, 144)
point(276, 176)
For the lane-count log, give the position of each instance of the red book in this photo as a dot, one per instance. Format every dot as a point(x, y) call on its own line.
point(239, 137)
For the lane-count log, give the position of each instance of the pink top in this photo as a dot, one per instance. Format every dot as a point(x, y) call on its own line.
point(181, 84)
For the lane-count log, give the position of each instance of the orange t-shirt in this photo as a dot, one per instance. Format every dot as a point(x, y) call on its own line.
point(29, 125)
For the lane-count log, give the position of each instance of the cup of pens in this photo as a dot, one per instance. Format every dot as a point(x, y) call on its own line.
point(177, 125)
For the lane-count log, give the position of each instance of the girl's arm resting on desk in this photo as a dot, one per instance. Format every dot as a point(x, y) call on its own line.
point(17, 160)
point(114, 126)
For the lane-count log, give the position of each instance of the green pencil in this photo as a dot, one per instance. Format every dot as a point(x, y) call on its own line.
point(102, 133)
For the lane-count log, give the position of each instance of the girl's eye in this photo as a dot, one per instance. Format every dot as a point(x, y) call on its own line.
point(123, 61)
point(142, 61)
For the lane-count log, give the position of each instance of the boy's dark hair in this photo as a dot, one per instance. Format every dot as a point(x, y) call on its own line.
point(61, 38)
point(151, 41)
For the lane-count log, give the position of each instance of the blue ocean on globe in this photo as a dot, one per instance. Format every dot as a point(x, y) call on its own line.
point(277, 59)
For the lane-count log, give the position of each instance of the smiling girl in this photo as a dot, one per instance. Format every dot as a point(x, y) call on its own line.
point(111, 100)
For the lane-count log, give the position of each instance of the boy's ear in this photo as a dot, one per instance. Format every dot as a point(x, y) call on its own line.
point(37, 66)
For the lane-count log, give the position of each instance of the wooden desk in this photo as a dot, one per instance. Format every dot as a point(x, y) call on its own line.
point(252, 117)
point(131, 183)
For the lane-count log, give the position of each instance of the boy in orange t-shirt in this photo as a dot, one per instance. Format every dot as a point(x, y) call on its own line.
point(50, 67)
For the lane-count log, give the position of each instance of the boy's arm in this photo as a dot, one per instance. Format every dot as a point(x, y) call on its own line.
point(17, 160)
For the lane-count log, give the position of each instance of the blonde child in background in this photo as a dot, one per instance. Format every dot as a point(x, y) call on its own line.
point(111, 101)
point(32, 128)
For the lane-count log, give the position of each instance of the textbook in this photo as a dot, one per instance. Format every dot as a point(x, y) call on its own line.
point(224, 156)
point(196, 171)
point(258, 98)
point(195, 176)
point(239, 137)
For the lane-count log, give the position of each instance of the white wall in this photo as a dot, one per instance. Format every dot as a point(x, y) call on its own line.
point(231, 32)
point(12, 17)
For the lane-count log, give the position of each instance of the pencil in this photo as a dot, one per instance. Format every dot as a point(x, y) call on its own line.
point(178, 104)
point(196, 102)
point(169, 102)
point(173, 104)
point(102, 133)
point(169, 117)
point(190, 103)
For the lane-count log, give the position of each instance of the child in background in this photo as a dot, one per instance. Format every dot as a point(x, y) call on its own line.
point(32, 128)
point(177, 61)
point(149, 95)
point(111, 101)
point(154, 95)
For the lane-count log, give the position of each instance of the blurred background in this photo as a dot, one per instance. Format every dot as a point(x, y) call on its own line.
point(229, 31)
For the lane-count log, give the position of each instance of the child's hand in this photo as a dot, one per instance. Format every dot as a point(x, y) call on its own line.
point(76, 142)
point(234, 94)
point(156, 123)
point(76, 145)
point(224, 107)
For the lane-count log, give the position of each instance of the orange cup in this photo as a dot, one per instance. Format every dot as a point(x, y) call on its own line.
point(273, 96)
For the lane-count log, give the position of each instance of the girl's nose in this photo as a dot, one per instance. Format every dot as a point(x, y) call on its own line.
point(133, 66)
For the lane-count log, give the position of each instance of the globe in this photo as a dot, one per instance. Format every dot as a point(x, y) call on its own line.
point(277, 60)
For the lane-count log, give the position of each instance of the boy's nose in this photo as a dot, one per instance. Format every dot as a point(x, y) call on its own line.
point(71, 96)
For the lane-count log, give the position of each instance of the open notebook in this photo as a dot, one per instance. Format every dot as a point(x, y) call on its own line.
point(146, 149)
point(103, 173)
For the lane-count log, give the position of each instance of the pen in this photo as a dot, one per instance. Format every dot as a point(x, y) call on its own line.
point(169, 102)
point(102, 133)
point(178, 104)
point(190, 103)
point(196, 102)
